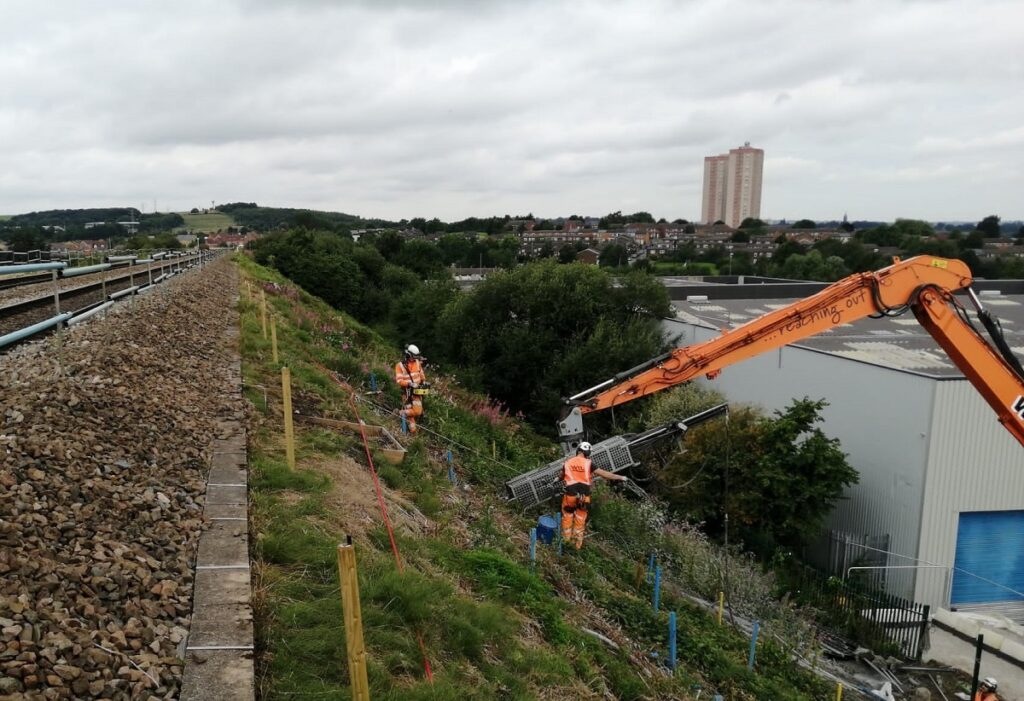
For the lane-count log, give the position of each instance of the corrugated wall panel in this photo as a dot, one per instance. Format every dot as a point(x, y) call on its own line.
point(973, 465)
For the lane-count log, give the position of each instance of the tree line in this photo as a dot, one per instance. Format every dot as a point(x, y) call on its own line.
point(526, 336)
point(37, 230)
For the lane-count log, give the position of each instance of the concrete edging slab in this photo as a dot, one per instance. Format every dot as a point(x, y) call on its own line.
point(219, 652)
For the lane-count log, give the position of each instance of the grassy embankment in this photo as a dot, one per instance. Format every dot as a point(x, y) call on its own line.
point(494, 627)
point(206, 223)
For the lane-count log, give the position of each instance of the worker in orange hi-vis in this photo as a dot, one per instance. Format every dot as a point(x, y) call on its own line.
point(578, 474)
point(409, 376)
point(987, 690)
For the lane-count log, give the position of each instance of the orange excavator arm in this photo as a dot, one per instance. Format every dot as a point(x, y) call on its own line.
point(924, 284)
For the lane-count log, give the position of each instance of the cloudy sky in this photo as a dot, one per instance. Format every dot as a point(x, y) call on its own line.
point(452, 108)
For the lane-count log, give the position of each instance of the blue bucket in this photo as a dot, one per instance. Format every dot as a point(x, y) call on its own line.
point(546, 526)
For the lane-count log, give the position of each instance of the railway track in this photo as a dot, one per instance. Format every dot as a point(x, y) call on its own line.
point(26, 286)
point(80, 298)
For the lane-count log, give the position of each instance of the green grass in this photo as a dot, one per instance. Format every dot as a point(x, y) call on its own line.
point(494, 626)
point(207, 222)
point(5, 217)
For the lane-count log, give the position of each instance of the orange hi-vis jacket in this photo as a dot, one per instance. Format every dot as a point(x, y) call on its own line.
point(577, 470)
point(409, 372)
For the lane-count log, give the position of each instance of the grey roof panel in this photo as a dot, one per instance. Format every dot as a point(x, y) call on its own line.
point(899, 343)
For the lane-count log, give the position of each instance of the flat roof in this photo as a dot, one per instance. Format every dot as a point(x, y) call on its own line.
point(898, 343)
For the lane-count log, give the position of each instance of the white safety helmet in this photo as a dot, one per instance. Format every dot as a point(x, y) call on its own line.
point(412, 349)
point(584, 448)
point(989, 683)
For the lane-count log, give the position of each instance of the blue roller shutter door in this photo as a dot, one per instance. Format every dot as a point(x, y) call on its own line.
point(989, 544)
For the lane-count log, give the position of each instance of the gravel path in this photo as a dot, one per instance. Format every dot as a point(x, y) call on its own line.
point(101, 486)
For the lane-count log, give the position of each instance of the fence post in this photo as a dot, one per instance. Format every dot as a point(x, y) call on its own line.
point(263, 312)
point(373, 382)
point(60, 327)
point(977, 665)
point(273, 341)
point(922, 632)
point(721, 606)
point(672, 641)
point(753, 645)
point(289, 429)
point(657, 587)
point(533, 546)
point(451, 471)
point(839, 691)
point(353, 622)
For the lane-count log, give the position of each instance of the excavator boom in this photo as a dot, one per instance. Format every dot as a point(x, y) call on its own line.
point(924, 284)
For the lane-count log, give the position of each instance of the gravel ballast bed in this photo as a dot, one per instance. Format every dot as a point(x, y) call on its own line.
point(102, 476)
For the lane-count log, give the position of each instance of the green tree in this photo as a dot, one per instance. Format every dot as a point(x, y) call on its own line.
point(740, 236)
point(567, 253)
point(752, 223)
point(456, 249)
point(614, 255)
point(804, 224)
point(389, 243)
point(543, 331)
point(26, 239)
point(989, 226)
point(422, 257)
point(784, 473)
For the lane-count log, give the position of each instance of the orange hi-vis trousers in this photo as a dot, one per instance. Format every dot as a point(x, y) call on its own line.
point(412, 408)
point(574, 518)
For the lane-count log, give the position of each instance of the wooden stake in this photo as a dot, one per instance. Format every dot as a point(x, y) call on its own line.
point(263, 312)
point(273, 341)
point(353, 622)
point(721, 606)
point(289, 429)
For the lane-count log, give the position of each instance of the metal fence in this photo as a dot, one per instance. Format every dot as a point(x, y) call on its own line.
point(871, 618)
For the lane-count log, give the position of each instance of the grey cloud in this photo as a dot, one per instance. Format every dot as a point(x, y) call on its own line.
point(405, 108)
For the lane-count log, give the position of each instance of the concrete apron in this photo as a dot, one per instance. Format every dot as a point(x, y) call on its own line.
point(952, 640)
point(219, 652)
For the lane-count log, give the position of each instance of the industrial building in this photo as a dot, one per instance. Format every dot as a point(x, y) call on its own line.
point(938, 514)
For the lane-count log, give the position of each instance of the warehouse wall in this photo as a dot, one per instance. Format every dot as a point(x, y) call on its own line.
point(882, 417)
point(974, 465)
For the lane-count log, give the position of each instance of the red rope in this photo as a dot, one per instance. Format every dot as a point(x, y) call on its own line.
point(428, 672)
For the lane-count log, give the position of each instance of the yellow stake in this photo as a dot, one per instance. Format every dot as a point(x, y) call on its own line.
point(289, 431)
point(721, 606)
point(263, 312)
point(839, 692)
point(273, 341)
point(353, 623)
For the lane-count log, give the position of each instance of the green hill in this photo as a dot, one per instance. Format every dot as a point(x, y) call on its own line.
point(493, 625)
point(213, 221)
